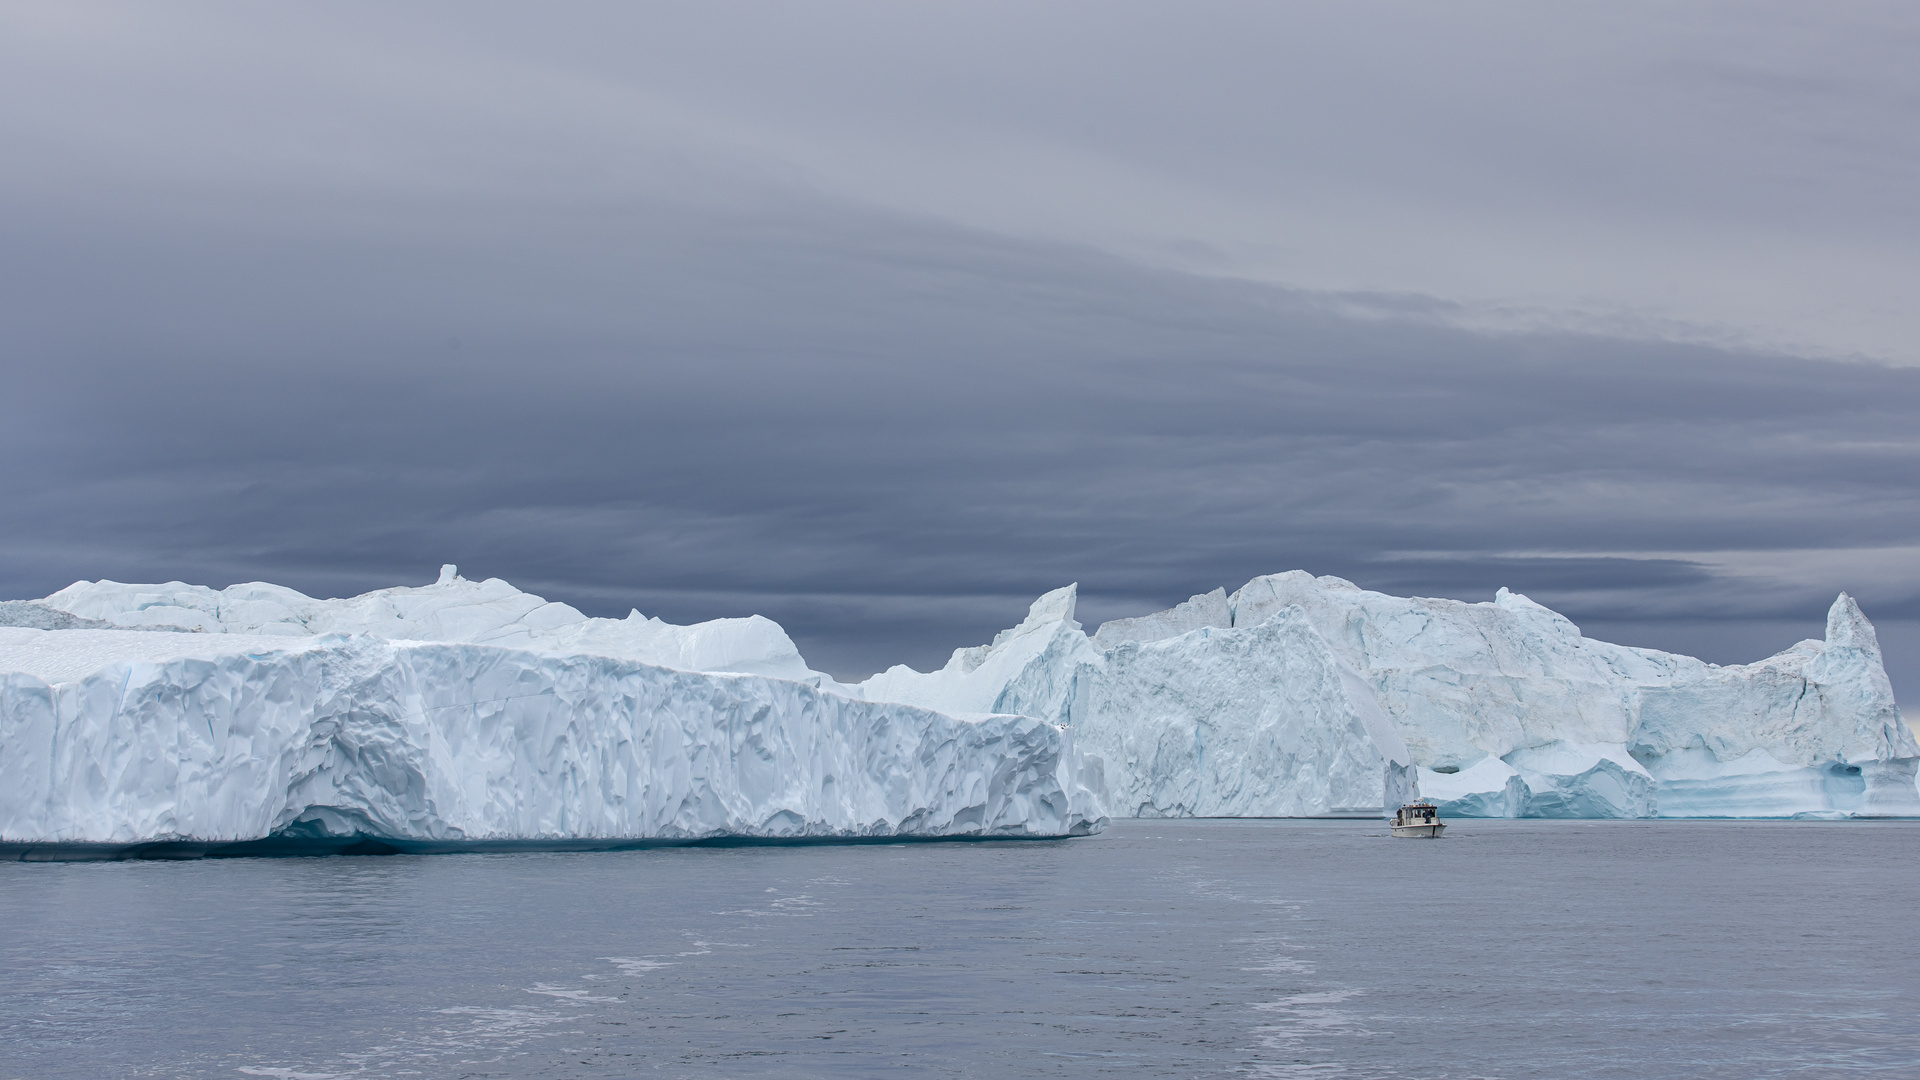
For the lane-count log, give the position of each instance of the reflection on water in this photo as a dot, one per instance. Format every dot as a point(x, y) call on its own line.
point(1164, 948)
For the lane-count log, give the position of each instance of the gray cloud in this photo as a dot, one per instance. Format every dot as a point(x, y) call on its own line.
point(1731, 172)
point(620, 364)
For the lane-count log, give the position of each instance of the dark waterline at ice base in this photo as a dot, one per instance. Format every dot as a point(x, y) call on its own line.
point(1551, 949)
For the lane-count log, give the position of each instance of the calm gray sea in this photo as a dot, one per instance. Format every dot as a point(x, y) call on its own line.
point(1159, 949)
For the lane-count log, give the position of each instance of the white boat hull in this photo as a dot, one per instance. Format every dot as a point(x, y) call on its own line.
point(1429, 831)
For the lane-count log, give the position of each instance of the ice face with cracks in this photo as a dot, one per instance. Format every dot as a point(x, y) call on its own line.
point(124, 737)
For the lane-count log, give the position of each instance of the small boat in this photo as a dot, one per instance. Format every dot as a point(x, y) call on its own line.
point(1418, 819)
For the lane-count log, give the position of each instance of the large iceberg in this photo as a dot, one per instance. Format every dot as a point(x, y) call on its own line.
point(576, 734)
point(1302, 695)
point(470, 711)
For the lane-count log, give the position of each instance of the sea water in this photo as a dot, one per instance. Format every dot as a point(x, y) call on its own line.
point(1641, 949)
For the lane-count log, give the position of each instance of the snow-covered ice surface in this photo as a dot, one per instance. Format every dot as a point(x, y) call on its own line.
point(118, 737)
point(1296, 694)
point(489, 612)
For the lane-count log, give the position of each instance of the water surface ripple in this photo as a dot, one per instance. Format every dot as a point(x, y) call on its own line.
point(1159, 949)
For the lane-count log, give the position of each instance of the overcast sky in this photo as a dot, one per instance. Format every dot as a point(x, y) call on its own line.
point(881, 319)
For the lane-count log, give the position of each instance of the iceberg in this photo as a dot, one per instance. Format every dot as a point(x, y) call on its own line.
point(1593, 729)
point(464, 712)
point(1810, 732)
point(576, 734)
point(1297, 695)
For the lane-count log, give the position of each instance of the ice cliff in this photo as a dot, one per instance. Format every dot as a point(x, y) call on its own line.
point(1297, 695)
point(290, 717)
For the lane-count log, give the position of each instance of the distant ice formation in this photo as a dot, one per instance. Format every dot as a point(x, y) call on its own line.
point(1284, 697)
point(292, 717)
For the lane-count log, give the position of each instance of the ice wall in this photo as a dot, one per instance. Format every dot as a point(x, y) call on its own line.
point(118, 737)
point(1256, 722)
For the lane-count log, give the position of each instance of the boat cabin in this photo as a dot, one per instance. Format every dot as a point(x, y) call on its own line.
point(1417, 814)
